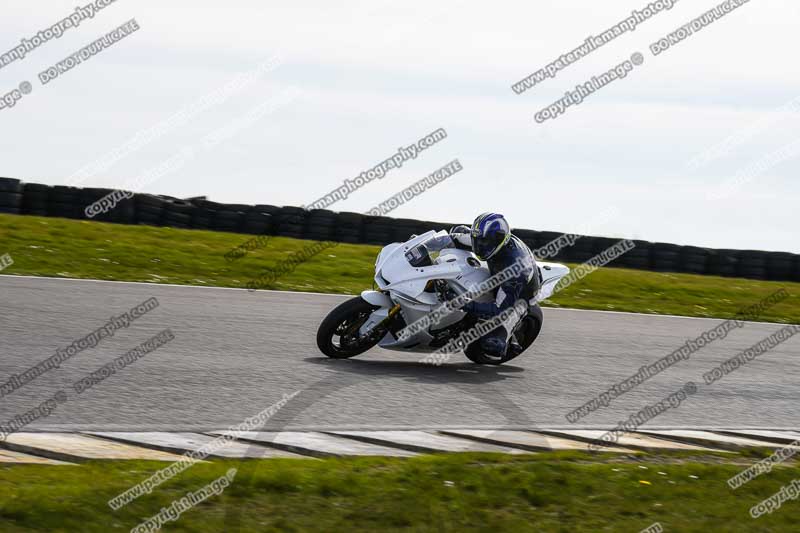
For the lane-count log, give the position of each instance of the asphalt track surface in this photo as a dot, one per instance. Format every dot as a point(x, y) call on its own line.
point(237, 352)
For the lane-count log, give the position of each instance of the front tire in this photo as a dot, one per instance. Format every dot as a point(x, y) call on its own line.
point(338, 337)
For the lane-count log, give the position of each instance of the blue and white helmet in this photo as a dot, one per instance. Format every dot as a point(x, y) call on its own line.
point(490, 233)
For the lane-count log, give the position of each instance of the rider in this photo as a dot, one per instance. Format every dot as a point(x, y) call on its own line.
point(490, 239)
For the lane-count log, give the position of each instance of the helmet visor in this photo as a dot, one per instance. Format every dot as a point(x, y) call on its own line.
point(484, 247)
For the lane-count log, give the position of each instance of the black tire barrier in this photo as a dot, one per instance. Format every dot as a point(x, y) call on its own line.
point(426, 226)
point(589, 247)
point(752, 264)
point(665, 257)
point(149, 209)
point(227, 221)
point(347, 236)
point(400, 233)
point(636, 263)
point(264, 208)
point(349, 228)
point(600, 245)
point(207, 204)
point(779, 266)
point(90, 196)
point(35, 199)
point(294, 231)
point(93, 194)
point(291, 222)
point(62, 210)
point(349, 219)
point(289, 209)
point(11, 199)
point(664, 261)
point(65, 195)
point(693, 260)
point(323, 216)
point(722, 263)
point(321, 234)
point(30, 201)
point(796, 269)
point(580, 252)
point(244, 208)
point(543, 238)
point(180, 206)
point(585, 243)
point(124, 212)
point(403, 228)
point(572, 255)
point(198, 213)
point(148, 200)
point(178, 214)
point(36, 187)
point(378, 236)
point(10, 185)
point(529, 237)
point(256, 223)
point(148, 218)
point(639, 256)
point(378, 230)
point(202, 218)
point(177, 220)
point(320, 225)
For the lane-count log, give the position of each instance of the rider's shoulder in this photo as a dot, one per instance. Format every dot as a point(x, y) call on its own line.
point(518, 245)
point(520, 250)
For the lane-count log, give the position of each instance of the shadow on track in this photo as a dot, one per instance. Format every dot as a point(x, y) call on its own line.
point(415, 371)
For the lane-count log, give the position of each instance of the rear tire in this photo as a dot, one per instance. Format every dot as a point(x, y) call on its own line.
point(524, 334)
point(337, 336)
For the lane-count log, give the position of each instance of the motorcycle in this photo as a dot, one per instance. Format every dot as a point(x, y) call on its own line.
point(408, 293)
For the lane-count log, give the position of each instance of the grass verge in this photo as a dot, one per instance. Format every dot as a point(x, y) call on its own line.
point(559, 491)
point(82, 249)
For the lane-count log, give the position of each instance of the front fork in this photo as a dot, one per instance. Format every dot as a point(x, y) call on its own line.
point(385, 322)
point(384, 304)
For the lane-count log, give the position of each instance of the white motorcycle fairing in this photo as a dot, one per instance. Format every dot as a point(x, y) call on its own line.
point(402, 284)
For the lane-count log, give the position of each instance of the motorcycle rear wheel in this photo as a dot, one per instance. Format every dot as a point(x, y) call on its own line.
point(337, 336)
point(525, 333)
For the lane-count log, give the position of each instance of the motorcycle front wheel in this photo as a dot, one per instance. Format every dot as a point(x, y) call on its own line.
point(338, 336)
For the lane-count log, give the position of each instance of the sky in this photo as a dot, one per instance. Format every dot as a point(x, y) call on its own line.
point(299, 96)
